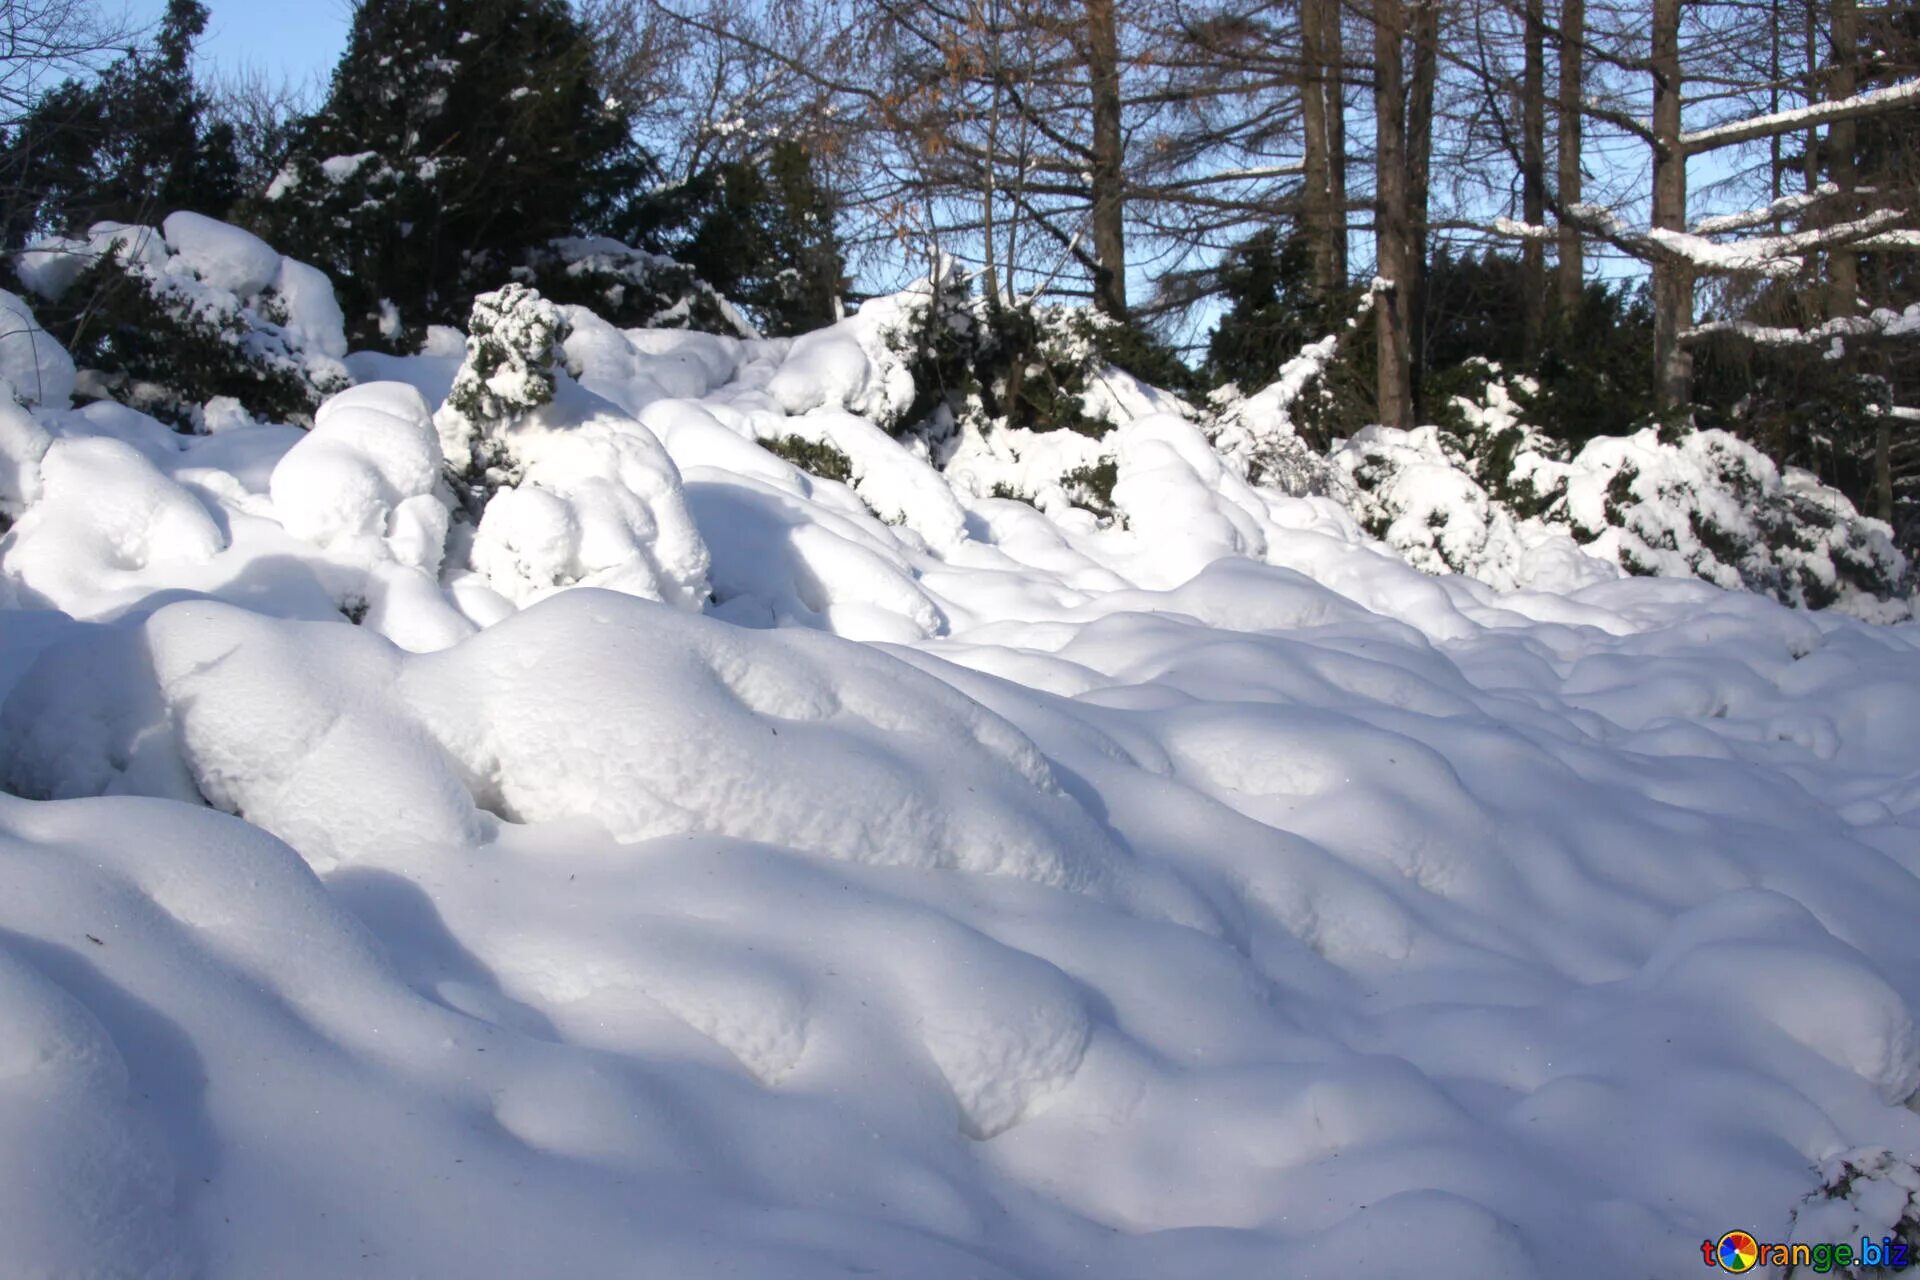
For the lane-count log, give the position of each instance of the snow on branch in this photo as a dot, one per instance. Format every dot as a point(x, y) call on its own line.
point(1771, 256)
point(1766, 213)
point(1514, 229)
point(1779, 122)
point(1883, 323)
point(1907, 240)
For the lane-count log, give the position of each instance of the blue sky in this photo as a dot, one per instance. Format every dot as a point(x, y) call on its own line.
point(299, 38)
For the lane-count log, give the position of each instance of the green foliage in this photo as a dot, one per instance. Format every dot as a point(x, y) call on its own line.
point(163, 355)
point(1026, 366)
point(761, 231)
point(629, 288)
point(1092, 487)
point(457, 136)
point(814, 458)
point(514, 352)
point(1274, 310)
point(133, 143)
point(1593, 375)
point(1805, 410)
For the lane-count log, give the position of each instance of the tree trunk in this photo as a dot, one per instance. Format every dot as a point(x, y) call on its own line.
point(1420, 102)
point(1325, 224)
point(1333, 47)
point(1392, 220)
point(1843, 265)
point(1109, 204)
point(1571, 270)
point(1533, 179)
point(1672, 275)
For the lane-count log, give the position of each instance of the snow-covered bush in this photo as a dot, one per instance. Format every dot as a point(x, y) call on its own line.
point(1416, 492)
point(514, 346)
point(1472, 496)
point(1012, 401)
point(34, 364)
point(1868, 1193)
point(630, 288)
point(1711, 505)
point(169, 320)
point(1259, 434)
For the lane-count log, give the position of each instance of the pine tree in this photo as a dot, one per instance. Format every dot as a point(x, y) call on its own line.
point(1274, 309)
point(132, 145)
point(761, 231)
point(456, 136)
point(514, 355)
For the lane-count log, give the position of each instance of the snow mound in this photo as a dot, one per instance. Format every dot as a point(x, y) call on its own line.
point(371, 450)
point(857, 365)
point(710, 728)
point(100, 1196)
point(225, 257)
point(34, 364)
point(599, 503)
point(104, 513)
point(700, 728)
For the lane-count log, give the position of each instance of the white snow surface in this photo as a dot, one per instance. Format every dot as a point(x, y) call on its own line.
point(703, 868)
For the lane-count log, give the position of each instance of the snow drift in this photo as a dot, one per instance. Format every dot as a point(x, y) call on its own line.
point(688, 864)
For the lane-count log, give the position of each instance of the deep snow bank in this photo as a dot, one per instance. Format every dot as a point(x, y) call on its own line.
point(1203, 891)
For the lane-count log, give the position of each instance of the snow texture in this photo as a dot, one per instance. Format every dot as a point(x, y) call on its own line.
point(689, 865)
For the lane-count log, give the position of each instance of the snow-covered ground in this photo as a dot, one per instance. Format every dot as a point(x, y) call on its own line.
point(702, 868)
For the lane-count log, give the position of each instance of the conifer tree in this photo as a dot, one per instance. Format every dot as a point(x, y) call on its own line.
point(456, 136)
point(132, 145)
point(761, 231)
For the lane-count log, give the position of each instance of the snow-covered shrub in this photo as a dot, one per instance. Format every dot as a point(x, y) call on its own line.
point(1493, 428)
point(1259, 434)
point(23, 443)
point(1013, 401)
point(819, 459)
point(1868, 1193)
point(630, 288)
point(1416, 492)
point(169, 321)
point(1713, 506)
point(1471, 497)
point(32, 361)
point(514, 347)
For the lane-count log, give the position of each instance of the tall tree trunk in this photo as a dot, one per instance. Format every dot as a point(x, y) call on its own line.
point(1573, 31)
point(1843, 265)
point(1672, 275)
point(1109, 203)
point(1420, 103)
point(1325, 224)
point(1392, 218)
point(1533, 179)
point(1333, 46)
